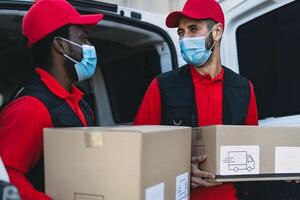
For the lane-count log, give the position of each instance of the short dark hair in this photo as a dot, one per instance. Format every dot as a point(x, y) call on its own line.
point(41, 51)
point(210, 23)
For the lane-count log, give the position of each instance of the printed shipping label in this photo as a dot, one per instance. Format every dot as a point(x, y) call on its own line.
point(155, 192)
point(182, 186)
point(287, 160)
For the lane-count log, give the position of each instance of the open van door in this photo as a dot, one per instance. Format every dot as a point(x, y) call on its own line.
point(261, 41)
point(132, 46)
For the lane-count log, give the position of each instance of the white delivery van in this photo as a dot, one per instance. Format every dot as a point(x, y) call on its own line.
point(131, 52)
point(261, 41)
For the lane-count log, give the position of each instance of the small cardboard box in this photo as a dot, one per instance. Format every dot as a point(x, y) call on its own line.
point(124, 163)
point(249, 153)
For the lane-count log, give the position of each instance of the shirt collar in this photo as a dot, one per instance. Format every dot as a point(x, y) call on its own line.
point(56, 88)
point(206, 78)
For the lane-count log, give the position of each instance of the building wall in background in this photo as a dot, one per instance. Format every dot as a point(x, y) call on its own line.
point(160, 6)
point(165, 6)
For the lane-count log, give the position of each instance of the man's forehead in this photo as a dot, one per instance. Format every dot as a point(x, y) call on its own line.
point(78, 30)
point(186, 21)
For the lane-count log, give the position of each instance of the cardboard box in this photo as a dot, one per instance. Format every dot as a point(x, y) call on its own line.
point(249, 153)
point(124, 163)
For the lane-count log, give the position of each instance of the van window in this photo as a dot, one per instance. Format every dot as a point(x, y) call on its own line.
point(268, 55)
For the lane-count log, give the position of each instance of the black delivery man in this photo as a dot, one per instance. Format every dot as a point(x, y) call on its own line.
point(58, 38)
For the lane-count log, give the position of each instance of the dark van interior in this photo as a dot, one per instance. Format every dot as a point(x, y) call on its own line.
point(129, 57)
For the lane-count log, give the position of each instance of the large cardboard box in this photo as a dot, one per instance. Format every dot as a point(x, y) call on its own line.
point(125, 163)
point(249, 153)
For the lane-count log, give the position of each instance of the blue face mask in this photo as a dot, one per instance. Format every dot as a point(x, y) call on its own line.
point(193, 50)
point(86, 68)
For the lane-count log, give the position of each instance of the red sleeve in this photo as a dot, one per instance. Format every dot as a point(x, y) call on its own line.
point(149, 112)
point(21, 141)
point(252, 116)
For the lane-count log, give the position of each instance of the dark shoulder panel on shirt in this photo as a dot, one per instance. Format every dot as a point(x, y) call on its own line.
point(175, 77)
point(232, 79)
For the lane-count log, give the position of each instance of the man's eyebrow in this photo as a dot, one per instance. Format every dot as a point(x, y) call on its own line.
point(192, 26)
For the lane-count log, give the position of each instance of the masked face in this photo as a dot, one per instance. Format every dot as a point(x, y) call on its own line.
point(193, 49)
point(85, 68)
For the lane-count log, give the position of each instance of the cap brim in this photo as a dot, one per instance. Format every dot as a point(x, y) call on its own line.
point(87, 20)
point(172, 20)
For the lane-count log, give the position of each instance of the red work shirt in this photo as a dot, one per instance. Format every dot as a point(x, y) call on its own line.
point(209, 98)
point(21, 133)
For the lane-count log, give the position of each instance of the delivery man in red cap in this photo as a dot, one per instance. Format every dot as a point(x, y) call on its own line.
point(201, 93)
point(62, 53)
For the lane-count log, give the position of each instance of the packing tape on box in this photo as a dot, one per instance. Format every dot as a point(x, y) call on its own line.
point(93, 139)
point(198, 149)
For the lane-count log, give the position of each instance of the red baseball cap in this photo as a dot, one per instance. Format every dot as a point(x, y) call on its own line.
point(197, 9)
point(46, 16)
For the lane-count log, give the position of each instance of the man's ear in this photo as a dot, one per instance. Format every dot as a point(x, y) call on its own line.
point(60, 45)
point(218, 32)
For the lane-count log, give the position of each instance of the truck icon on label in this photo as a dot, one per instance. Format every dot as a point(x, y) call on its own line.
point(239, 160)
